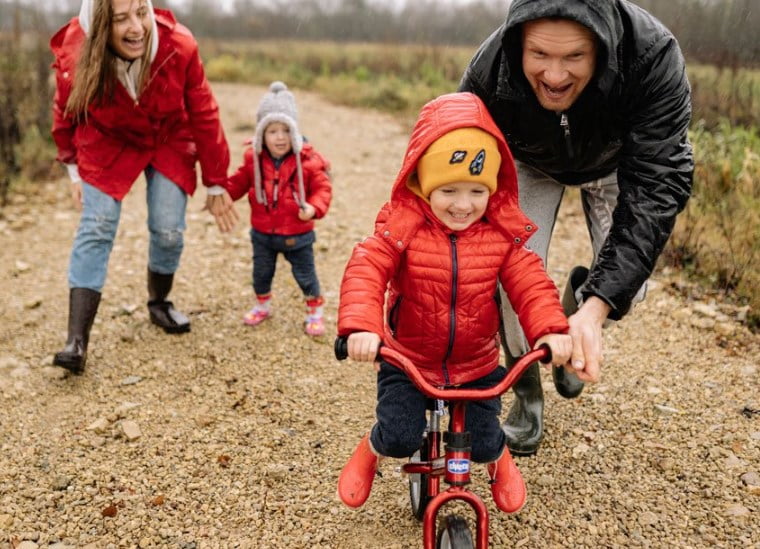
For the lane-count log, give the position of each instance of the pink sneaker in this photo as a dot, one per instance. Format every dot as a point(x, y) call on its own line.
point(315, 323)
point(314, 326)
point(256, 316)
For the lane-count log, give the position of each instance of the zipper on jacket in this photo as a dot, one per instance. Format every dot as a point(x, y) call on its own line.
point(393, 316)
point(565, 123)
point(452, 307)
point(275, 190)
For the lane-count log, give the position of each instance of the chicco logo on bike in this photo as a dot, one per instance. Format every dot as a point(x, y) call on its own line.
point(458, 466)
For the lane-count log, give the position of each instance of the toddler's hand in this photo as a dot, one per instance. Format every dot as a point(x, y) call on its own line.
point(307, 212)
point(363, 346)
point(561, 346)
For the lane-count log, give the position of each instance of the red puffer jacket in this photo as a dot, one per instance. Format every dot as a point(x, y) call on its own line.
point(282, 217)
point(174, 123)
point(441, 306)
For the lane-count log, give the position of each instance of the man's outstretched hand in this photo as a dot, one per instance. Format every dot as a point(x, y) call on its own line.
point(586, 331)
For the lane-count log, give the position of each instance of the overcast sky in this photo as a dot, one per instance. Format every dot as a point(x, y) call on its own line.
point(386, 2)
point(59, 3)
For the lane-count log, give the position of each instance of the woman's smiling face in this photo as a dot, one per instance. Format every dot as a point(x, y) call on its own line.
point(130, 28)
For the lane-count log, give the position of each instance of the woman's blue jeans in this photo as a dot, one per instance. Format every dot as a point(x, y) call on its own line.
point(100, 220)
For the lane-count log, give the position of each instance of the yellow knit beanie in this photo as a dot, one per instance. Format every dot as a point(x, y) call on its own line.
point(464, 154)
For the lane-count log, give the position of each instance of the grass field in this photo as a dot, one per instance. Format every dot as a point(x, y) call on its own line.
point(715, 240)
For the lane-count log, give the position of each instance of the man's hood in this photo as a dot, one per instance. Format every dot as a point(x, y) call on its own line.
point(600, 16)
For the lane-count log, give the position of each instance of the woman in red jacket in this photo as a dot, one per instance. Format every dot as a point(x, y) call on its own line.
point(131, 97)
point(288, 187)
point(451, 232)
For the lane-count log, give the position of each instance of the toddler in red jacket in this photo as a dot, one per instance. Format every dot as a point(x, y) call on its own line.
point(288, 187)
point(425, 284)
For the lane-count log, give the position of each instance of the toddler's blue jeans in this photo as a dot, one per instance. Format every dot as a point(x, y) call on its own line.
point(298, 250)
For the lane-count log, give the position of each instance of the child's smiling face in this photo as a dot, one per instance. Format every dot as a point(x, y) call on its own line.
point(458, 205)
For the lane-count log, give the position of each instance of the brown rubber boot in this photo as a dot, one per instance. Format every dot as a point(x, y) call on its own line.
point(83, 306)
point(162, 312)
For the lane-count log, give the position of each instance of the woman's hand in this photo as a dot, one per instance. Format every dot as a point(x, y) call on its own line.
point(222, 208)
point(76, 195)
point(76, 185)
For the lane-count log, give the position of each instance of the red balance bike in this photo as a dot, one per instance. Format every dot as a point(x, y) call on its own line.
point(426, 467)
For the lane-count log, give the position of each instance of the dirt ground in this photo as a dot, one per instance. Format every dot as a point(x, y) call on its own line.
point(234, 437)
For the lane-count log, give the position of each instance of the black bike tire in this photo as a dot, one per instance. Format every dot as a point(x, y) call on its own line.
point(455, 533)
point(419, 504)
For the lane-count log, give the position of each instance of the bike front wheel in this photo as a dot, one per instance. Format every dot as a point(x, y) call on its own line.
point(454, 534)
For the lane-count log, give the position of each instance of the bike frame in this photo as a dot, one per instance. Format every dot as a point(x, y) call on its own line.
point(454, 466)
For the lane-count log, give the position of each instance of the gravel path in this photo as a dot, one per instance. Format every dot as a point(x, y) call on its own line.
point(233, 437)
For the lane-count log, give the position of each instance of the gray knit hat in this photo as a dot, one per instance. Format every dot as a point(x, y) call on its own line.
point(277, 105)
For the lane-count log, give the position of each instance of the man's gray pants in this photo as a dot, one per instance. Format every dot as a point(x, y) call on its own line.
point(540, 199)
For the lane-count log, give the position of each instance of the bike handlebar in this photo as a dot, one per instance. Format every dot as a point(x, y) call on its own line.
point(543, 354)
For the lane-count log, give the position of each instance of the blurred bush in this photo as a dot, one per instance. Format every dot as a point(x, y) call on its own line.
point(26, 150)
point(727, 93)
point(717, 237)
point(421, 72)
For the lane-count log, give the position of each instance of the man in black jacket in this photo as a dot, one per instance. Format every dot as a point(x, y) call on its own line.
point(590, 94)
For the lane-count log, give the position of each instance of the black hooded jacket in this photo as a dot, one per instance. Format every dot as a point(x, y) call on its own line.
point(632, 117)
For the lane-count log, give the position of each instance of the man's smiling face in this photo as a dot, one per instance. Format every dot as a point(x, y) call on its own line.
point(559, 58)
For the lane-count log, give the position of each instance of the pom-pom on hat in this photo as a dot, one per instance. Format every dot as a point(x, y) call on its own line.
point(462, 155)
point(277, 105)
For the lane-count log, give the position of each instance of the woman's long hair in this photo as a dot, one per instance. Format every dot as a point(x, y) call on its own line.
point(95, 76)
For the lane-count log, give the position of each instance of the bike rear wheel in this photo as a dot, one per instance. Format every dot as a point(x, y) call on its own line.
point(454, 534)
point(418, 483)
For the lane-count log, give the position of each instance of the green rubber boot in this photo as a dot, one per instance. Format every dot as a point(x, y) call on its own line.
point(524, 427)
point(83, 306)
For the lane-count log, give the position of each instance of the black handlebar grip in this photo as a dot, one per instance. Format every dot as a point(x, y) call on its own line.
point(341, 348)
point(548, 358)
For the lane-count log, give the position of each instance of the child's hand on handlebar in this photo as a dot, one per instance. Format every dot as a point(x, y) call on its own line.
point(363, 346)
point(561, 346)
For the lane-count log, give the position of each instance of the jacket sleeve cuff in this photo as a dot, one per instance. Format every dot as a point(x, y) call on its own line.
point(73, 171)
point(615, 312)
point(215, 190)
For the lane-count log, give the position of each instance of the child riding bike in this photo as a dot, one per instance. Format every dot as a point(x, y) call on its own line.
point(450, 233)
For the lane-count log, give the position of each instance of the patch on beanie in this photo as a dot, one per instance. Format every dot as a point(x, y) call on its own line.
point(477, 165)
point(458, 157)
